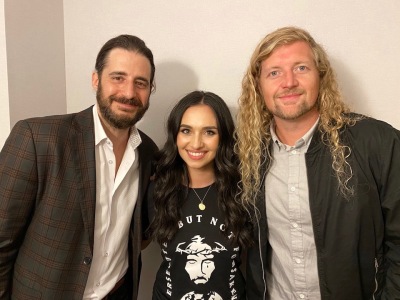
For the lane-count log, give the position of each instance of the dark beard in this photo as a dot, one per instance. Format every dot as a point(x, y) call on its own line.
point(112, 118)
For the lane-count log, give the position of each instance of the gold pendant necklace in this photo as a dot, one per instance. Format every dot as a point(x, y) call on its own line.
point(201, 204)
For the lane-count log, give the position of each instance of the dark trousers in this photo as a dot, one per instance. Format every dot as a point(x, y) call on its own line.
point(121, 293)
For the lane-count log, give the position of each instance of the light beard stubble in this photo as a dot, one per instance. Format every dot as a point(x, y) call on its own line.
point(300, 111)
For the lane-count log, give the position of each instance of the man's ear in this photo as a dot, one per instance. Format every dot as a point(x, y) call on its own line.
point(95, 80)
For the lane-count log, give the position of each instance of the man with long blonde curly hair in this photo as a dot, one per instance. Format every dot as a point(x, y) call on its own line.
point(321, 182)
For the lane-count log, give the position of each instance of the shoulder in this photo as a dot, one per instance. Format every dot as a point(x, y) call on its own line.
point(44, 136)
point(368, 129)
point(83, 118)
point(53, 131)
point(147, 143)
point(147, 150)
point(372, 138)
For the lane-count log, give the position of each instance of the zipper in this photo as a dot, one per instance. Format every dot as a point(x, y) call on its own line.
point(376, 281)
point(261, 259)
point(259, 237)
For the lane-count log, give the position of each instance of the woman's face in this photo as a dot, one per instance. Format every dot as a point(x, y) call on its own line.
point(198, 138)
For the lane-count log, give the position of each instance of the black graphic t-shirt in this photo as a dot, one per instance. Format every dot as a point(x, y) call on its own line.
point(200, 262)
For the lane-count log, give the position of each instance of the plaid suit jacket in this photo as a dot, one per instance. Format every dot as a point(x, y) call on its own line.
point(47, 207)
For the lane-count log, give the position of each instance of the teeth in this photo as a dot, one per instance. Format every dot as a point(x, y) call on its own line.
point(196, 153)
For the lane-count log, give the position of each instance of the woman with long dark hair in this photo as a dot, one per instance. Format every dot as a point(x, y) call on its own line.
point(197, 219)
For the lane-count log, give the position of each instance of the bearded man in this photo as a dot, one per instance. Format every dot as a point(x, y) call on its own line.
point(72, 187)
point(322, 181)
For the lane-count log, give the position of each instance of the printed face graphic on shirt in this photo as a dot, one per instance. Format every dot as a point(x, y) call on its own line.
point(208, 296)
point(199, 261)
point(200, 266)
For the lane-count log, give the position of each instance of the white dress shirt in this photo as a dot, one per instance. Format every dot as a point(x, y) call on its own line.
point(116, 196)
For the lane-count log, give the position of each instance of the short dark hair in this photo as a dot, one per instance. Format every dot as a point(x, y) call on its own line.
point(129, 43)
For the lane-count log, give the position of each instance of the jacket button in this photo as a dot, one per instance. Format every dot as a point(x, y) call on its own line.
point(87, 260)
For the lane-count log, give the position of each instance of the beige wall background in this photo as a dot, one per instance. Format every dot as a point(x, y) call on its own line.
point(48, 51)
point(4, 106)
point(35, 58)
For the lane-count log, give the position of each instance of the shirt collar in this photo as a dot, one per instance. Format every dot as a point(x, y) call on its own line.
point(100, 135)
point(304, 141)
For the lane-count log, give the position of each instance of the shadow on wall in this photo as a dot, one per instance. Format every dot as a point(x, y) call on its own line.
point(352, 91)
point(234, 110)
point(173, 81)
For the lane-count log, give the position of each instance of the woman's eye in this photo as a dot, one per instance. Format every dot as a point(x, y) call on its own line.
point(210, 132)
point(185, 131)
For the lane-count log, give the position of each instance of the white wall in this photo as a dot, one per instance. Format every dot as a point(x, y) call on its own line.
point(207, 45)
point(4, 105)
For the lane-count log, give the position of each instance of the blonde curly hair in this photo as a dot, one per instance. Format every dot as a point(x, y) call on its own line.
point(253, 119)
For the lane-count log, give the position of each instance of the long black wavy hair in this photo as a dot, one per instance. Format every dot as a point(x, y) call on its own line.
point(172, 179)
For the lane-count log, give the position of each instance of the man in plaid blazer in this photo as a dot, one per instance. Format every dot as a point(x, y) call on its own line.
point(71, 189)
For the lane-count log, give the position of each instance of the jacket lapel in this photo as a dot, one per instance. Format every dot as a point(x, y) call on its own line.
point(83, 142)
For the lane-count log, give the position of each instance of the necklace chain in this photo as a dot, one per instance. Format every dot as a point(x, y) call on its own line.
point(201, 204)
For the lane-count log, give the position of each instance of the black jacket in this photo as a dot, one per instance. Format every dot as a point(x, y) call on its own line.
point(357, 239)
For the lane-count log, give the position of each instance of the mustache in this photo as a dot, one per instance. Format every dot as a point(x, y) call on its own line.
point(199, 278)
point(290, 92)
point(124, 100)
